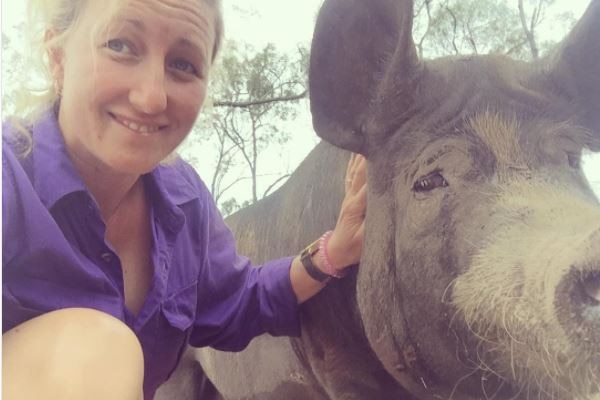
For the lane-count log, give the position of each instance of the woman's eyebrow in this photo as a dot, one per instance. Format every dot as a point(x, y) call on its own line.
point(192, 45)
point(185, 42)
point(138, 24)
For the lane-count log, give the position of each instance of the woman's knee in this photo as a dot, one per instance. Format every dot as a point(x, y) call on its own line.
point(70, 353)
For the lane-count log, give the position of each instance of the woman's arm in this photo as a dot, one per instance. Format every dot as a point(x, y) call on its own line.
point(237, 302)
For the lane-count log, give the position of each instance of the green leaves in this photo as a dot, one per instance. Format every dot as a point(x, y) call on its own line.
point(452, 27)
point(256, 94)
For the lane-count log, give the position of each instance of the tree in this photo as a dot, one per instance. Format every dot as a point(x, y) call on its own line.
point(15, 72)
point(483, 26)
point(256, 92)
point(538, 11)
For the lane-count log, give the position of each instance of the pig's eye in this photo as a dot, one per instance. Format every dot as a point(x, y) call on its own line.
point(429, 182)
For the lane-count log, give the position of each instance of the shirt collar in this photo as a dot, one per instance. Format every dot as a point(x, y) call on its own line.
point(176, 182)
point(54, 175)
point(169, 189)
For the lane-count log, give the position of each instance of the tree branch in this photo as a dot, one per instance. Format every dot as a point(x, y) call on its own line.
point(427, 5)
point(272, 185)
point(471, 37)
point(236, 181)
point(246, 104)
point(529, 32)
point(454, 28)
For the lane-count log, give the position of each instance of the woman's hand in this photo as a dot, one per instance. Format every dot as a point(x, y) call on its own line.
point(344, 247)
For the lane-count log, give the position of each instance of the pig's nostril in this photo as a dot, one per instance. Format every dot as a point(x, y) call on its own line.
point(591, 289)
point(578, 305)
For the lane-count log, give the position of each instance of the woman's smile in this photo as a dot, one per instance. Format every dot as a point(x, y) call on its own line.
point(143, 127)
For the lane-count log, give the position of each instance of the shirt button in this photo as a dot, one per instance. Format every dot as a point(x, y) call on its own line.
point(106, 257)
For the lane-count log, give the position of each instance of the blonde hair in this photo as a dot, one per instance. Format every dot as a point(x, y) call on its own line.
point(61, 17)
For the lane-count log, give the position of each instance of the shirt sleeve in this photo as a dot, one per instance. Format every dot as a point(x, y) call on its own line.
point(236, 300)
point(12, 210)
point(7, 193)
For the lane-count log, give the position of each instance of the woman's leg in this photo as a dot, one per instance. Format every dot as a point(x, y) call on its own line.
point(74, 353)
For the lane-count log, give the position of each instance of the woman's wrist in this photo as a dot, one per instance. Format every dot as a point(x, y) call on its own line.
point(330, 263)
point(321, 259)
point(309, 258)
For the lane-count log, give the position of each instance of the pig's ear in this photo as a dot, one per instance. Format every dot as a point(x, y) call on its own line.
point(361, 50)
point(575, 67)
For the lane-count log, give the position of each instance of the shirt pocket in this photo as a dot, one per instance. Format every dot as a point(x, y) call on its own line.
point(179, 308)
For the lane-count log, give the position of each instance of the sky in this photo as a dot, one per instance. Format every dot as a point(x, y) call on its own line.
point(287, 24)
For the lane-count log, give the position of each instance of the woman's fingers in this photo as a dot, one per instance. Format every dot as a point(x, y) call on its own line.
point(349, 169)
point(359, 177)
point(361, 199)
point(346, 241)
point(356, 175)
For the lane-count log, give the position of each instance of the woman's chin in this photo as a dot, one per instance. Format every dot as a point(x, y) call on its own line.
point(133, 166)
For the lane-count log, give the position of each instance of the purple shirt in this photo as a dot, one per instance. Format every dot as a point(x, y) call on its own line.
point(54, 255)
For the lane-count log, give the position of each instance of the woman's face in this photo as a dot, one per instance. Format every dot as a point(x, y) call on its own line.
point(130, 97)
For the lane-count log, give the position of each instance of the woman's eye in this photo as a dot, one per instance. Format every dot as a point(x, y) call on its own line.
point(119, 46)
point(184, 66)
point(429, 182)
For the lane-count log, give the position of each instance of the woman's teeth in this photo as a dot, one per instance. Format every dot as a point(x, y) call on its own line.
point(134, 126)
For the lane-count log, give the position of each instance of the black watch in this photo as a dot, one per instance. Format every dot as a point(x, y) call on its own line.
point(311, 268)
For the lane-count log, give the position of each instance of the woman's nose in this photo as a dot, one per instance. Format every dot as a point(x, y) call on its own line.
point(148, 94)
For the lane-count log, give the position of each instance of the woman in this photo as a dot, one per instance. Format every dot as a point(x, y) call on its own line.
point(115, 257)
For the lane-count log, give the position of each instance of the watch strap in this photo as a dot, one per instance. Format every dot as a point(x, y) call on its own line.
point(309, 266)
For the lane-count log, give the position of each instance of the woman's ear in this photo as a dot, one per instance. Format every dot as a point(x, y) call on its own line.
point(55, 60)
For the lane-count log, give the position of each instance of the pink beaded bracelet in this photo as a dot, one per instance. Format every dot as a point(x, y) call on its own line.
point(330, 269)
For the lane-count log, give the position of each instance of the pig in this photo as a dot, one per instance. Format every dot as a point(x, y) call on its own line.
point(480, 275)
